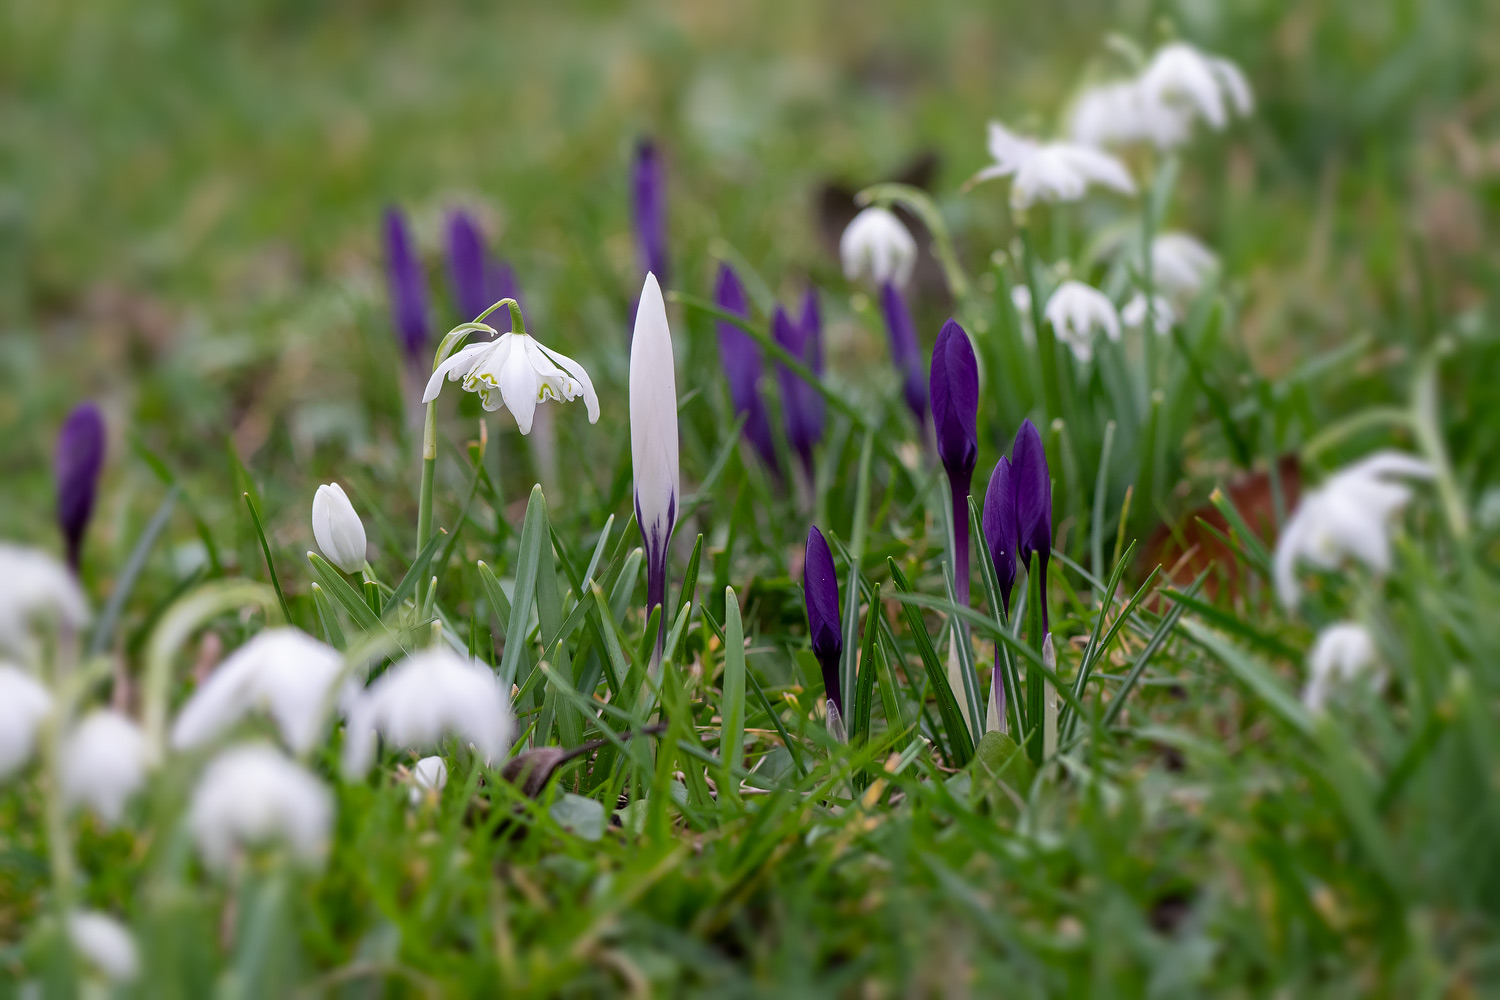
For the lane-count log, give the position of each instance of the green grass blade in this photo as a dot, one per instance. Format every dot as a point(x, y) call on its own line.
point(961, 746)
point(326, 618)
point(533, 536)
point(265, 547)
point(732, 704)
point(341, 591)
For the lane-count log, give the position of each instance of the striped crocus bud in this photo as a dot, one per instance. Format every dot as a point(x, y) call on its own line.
point(1032, 486)
point(653, 439)
point(998, 523)
point(955, 411)
point(906, 352)
point(801, 404)
point(407, 286)
point(649, 205)
point(78, 460)
point(741, 356)
point(820, 585)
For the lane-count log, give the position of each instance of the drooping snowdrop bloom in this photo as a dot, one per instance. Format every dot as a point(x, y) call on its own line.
point(877, 245)
point(430, 694)
point(1340, 654)
point(516, 372)
point(430, 774)
point(283, 672)
point(1075, 311)
point(1180, 264)
point(1184, 77)
point(36, 589)
point(1162, 313)
point(802, 405)
point(103, 764)
point(105, 943)
point(906, 352)
point(954, 382)
point(1050, 171)
point(478, 281)
point(407, 286)
point(24, 704)
point(77, 462)
point(252, 796)
point(1349, 516)
point(1032, 482)
point(653, 440)
point(820, 588)
point(1121, 113)
point(741, 356)
point(337, 529)
point(648, 189)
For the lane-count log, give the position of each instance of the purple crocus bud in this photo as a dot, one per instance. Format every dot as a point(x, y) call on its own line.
point(1032, 485)
point(906, 352)
point(955, 411)
point(813, 403)
point(78, 461)
point(741, 356)
point(408, 287)
point(820, 585)
point(803, 417)
point(500, 283)
point(467, 264)
point(649, 202)
point(998, 523)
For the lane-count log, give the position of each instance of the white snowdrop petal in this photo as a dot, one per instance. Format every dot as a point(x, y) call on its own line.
point(877, 244)
point(252, 796)
point(103, 764)
point(36, 589)
point(104, 943)
point(24, 704)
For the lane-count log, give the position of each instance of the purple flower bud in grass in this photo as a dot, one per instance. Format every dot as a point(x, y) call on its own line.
point(1032, 484)
point(813, 403)
point(906, 352)
point(820, 585)
point(741, 356)
point(407, 285)
point(801, 404)
point(999, 525)
point(649, 204)
point(78, 461)
point(955, 411)
point(467, 263)
point(500, 283)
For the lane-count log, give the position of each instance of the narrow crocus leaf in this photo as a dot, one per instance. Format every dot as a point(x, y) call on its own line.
point(653, 437)
point(741, 356)
point(649, 204)
point(407, 287)
point(955, 409)
point(1032, 486)
point(999, 524)
point(820, 586)
point(78, 460)
point(906, 352)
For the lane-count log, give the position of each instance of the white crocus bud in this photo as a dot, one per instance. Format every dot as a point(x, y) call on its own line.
point(36, 589)
point(430, 774)
point(337, 528)
point(104, 943)
point(877, 244)
point(252, 795)
point(653, 437)
point(1075, 311)
point(24, 703)
point(103, 764)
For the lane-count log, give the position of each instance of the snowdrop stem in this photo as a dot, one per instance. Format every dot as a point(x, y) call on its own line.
point(59, 843)
point(1046, 340)
point(1147, 281)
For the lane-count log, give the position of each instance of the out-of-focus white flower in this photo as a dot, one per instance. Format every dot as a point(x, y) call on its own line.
point(430, 774)
point(1020, 298)
point(431, 693)
point(1075, 311)
point(517, 372)
point(282, 671)
point(252, 795)
point(36, 588)
point(104, 943)
point(24, 704)
point(1349, 516)
point(1050, 171)
point(1181, 264)
point(1162, 313)
point(103, 764)
point(1119, 114)
point(1340, 653)
point(877, 244)
point(337, 528)
point(1183, 76)
point(653, 438)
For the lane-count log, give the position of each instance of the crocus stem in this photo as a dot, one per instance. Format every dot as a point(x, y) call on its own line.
point(1046, 340)
point(959, 491)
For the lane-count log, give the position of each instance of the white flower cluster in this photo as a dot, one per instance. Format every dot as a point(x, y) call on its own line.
point(1180, 86)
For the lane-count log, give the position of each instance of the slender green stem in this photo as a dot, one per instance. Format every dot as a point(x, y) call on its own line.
point(1046, 342)
point(1148, 330)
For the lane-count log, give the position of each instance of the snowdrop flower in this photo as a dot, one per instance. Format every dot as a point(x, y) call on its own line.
point(24, 704)
point(1349, 515)
point(1340, 653)
point(1180, 264)
point(78, 460)
point(282, 671)
point(104, 943)
point(431, 693)
point(337, 528)
point(1020, 300)
point(1183, 76)
point(430, 774)
point(1050, 171)
point(103, 764)
point(252, 795)
point(1162, 313)
point(653, 440)
point(1121, 113)
point(516, 372)
point(34, 588)
point(876, 244)
point(1075, 310)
